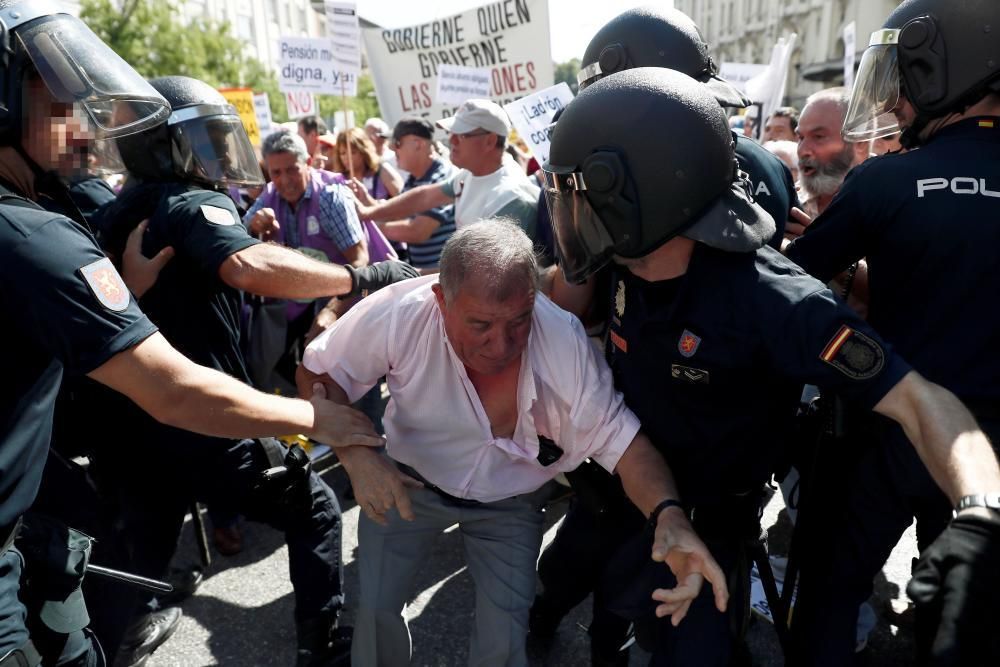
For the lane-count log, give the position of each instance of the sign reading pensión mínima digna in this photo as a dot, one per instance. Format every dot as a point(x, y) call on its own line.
point(309, 65)
point(457, 84)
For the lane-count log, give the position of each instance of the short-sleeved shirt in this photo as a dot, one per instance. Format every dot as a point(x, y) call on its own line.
point(197, 312)
point(435, 422)
point(338, 218)
point(770, 182)
point(427, 254)
point(67, 309)
point(928, 224)
point(506, 193)
point(713, 362)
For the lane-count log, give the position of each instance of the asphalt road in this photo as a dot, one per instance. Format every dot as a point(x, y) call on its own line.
point(242, 614)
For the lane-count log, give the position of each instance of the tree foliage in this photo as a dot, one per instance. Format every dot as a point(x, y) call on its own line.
point(567, 72)
point(151, 36)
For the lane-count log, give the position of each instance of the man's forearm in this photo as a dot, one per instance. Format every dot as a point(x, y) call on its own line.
point(274, 271)
point(408, 204)
point(947, 438)
point(645, 475)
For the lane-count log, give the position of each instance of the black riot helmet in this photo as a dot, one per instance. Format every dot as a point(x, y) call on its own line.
point(203, 140)
point(638, 158)
point(38, 38)
point(655, 37)
point(943, 55)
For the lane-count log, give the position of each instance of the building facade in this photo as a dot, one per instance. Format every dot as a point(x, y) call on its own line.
point(745, 31)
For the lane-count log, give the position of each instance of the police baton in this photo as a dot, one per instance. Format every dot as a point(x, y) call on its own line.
point(129, 578)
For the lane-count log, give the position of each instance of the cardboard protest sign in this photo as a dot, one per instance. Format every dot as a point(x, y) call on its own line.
point(456, 84)
point(308, 65)
point(344, 33)
point(532, 117)
point(242, 99)
point(509, 38)
point(262, 108)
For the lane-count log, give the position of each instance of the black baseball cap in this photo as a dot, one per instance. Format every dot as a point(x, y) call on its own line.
point(414, 125)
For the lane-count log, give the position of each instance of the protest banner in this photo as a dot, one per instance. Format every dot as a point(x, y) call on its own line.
point(262, 108)
point(532, 117)
point(301, 104)
point(509, 38)
point(309, 65)
point(739, 73)
point(850, 52)
point(242, 99)
point(456, 84)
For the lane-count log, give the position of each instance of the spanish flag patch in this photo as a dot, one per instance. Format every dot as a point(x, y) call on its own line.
point(854, 354)
point(989, 124)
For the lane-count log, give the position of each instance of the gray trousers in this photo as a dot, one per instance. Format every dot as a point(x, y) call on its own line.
point(501, 543)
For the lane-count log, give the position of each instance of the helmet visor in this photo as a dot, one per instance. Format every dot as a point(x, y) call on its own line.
point(78, 68)
point(582, 240)
point(213, 147)
point(876, 91)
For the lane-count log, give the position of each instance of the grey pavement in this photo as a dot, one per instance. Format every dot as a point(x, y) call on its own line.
point(242, 614)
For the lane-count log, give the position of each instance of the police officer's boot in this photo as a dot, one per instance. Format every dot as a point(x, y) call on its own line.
point(323, 643)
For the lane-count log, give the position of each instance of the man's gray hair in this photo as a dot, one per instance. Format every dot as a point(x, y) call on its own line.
point(494, 255)
point(284, 141)
point(840, 96)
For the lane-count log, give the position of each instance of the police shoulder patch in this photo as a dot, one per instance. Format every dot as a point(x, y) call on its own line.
point(218, 215)
point(854, 354)
point(104, 281)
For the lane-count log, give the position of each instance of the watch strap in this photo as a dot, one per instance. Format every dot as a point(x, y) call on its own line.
point(987, 500)
point(654, 516)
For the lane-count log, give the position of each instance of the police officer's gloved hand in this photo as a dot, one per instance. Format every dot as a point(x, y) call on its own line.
point(374, 277)
point(957, 583)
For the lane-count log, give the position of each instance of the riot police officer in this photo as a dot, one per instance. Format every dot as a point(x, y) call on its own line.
point(68, 309)
point(712, 333)
point(655, 37)
point(926, 221)
point(178, 174)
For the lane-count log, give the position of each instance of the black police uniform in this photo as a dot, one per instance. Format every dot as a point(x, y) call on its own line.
point(712, 363)
point(200, 316)
point(770, 183)
point(926, 221)
point(68, 311)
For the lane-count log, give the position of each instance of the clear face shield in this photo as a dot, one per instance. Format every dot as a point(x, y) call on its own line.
point(876, 90)
point(79, 69)
point(210, 144)
point(581, 236)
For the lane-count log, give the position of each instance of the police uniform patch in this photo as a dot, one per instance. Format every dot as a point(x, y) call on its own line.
point(620, 298)
point(854, 354)
point(688, 344)
point(688, 374)
point(619, 342)
point(218, 215)
point(104, 281)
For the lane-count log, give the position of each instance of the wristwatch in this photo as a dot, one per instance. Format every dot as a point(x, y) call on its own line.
point(988, 500)
point(654, 516)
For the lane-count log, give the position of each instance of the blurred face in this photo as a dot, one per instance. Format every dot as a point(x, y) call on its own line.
point(356, 159)
point(57, 136)
point(884, 145)
point(468, 149)
point(311, 139)
point(410, 150)
point(904, 112)
point(824, 156)
point(376, 139)
point(487, 335)
point(288, 175)
point(779, 128)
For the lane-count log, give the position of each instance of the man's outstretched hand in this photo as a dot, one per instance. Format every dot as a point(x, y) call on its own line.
point(676, 544)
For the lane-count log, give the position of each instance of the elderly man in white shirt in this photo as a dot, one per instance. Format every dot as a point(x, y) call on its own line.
point(495, 390)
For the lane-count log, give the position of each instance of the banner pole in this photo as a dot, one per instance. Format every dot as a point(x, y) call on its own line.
point(347, 124)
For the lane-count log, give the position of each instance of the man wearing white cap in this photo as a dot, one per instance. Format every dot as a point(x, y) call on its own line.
point(485, 187)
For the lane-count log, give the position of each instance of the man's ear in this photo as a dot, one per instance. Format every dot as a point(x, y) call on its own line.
point(439, 297)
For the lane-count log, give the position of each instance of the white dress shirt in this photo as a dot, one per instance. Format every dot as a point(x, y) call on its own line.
point(436, 423)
